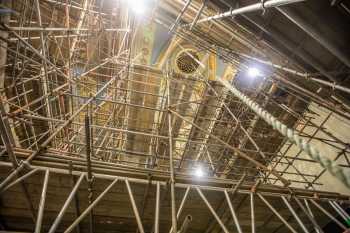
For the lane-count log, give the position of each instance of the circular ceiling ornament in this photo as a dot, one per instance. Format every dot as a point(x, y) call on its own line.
point(187, 61)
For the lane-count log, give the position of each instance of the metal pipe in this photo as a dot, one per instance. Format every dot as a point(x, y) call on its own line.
point(36, 52)
point(234, 62)
point(291, 47)
point(85, 7)
point(66, 204)
point(315, 34)
point(156, 218)
point(232, 192)
point(16, 172)
point(252, 211)
point(134, 207)
point(182, 204)
point(6, 127)
point(239, 152)
point(238, 185)
point(76, 198)
point(301, 224)
point(40, 215)
point(291, 135)
point(338, 211)
point(306, 76)
point(215, 184)
point(309, 214)
point(341, 209)
point(70, 5)
point(44, 70)
point(332, 85)
point(88, 166)
point(60, 156)
point(49, 29)
point(212, 210)
point(61, 160)
point(171, 161)
point(233, 213)
point(52, 136)
point(250, 8)
point(20, 179)
point(5, 133)
point(329, 214)
point(51, 36)
point(276, 213)
point(199, 12)
point(238, 122)
point(90, 207)
point(185, 224)
point(174, 26)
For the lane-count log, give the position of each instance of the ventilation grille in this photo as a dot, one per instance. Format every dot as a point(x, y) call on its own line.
point(186, 61)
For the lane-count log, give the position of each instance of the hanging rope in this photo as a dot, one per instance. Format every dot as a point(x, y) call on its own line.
point(292, 136)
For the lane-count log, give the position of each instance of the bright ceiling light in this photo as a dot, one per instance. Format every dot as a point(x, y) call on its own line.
point(199, 172)
point(138, 6)
point(253, 72)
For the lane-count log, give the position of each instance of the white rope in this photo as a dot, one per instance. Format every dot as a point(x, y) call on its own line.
point(292, 136)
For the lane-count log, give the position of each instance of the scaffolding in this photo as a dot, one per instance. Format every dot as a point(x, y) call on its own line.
point(78, 106)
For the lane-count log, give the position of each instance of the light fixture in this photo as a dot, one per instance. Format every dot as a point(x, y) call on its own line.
point(253, 72)
point(199, 172)
point(138, 6)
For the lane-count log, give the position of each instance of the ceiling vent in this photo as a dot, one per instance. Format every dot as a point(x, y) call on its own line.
point(187, 61)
